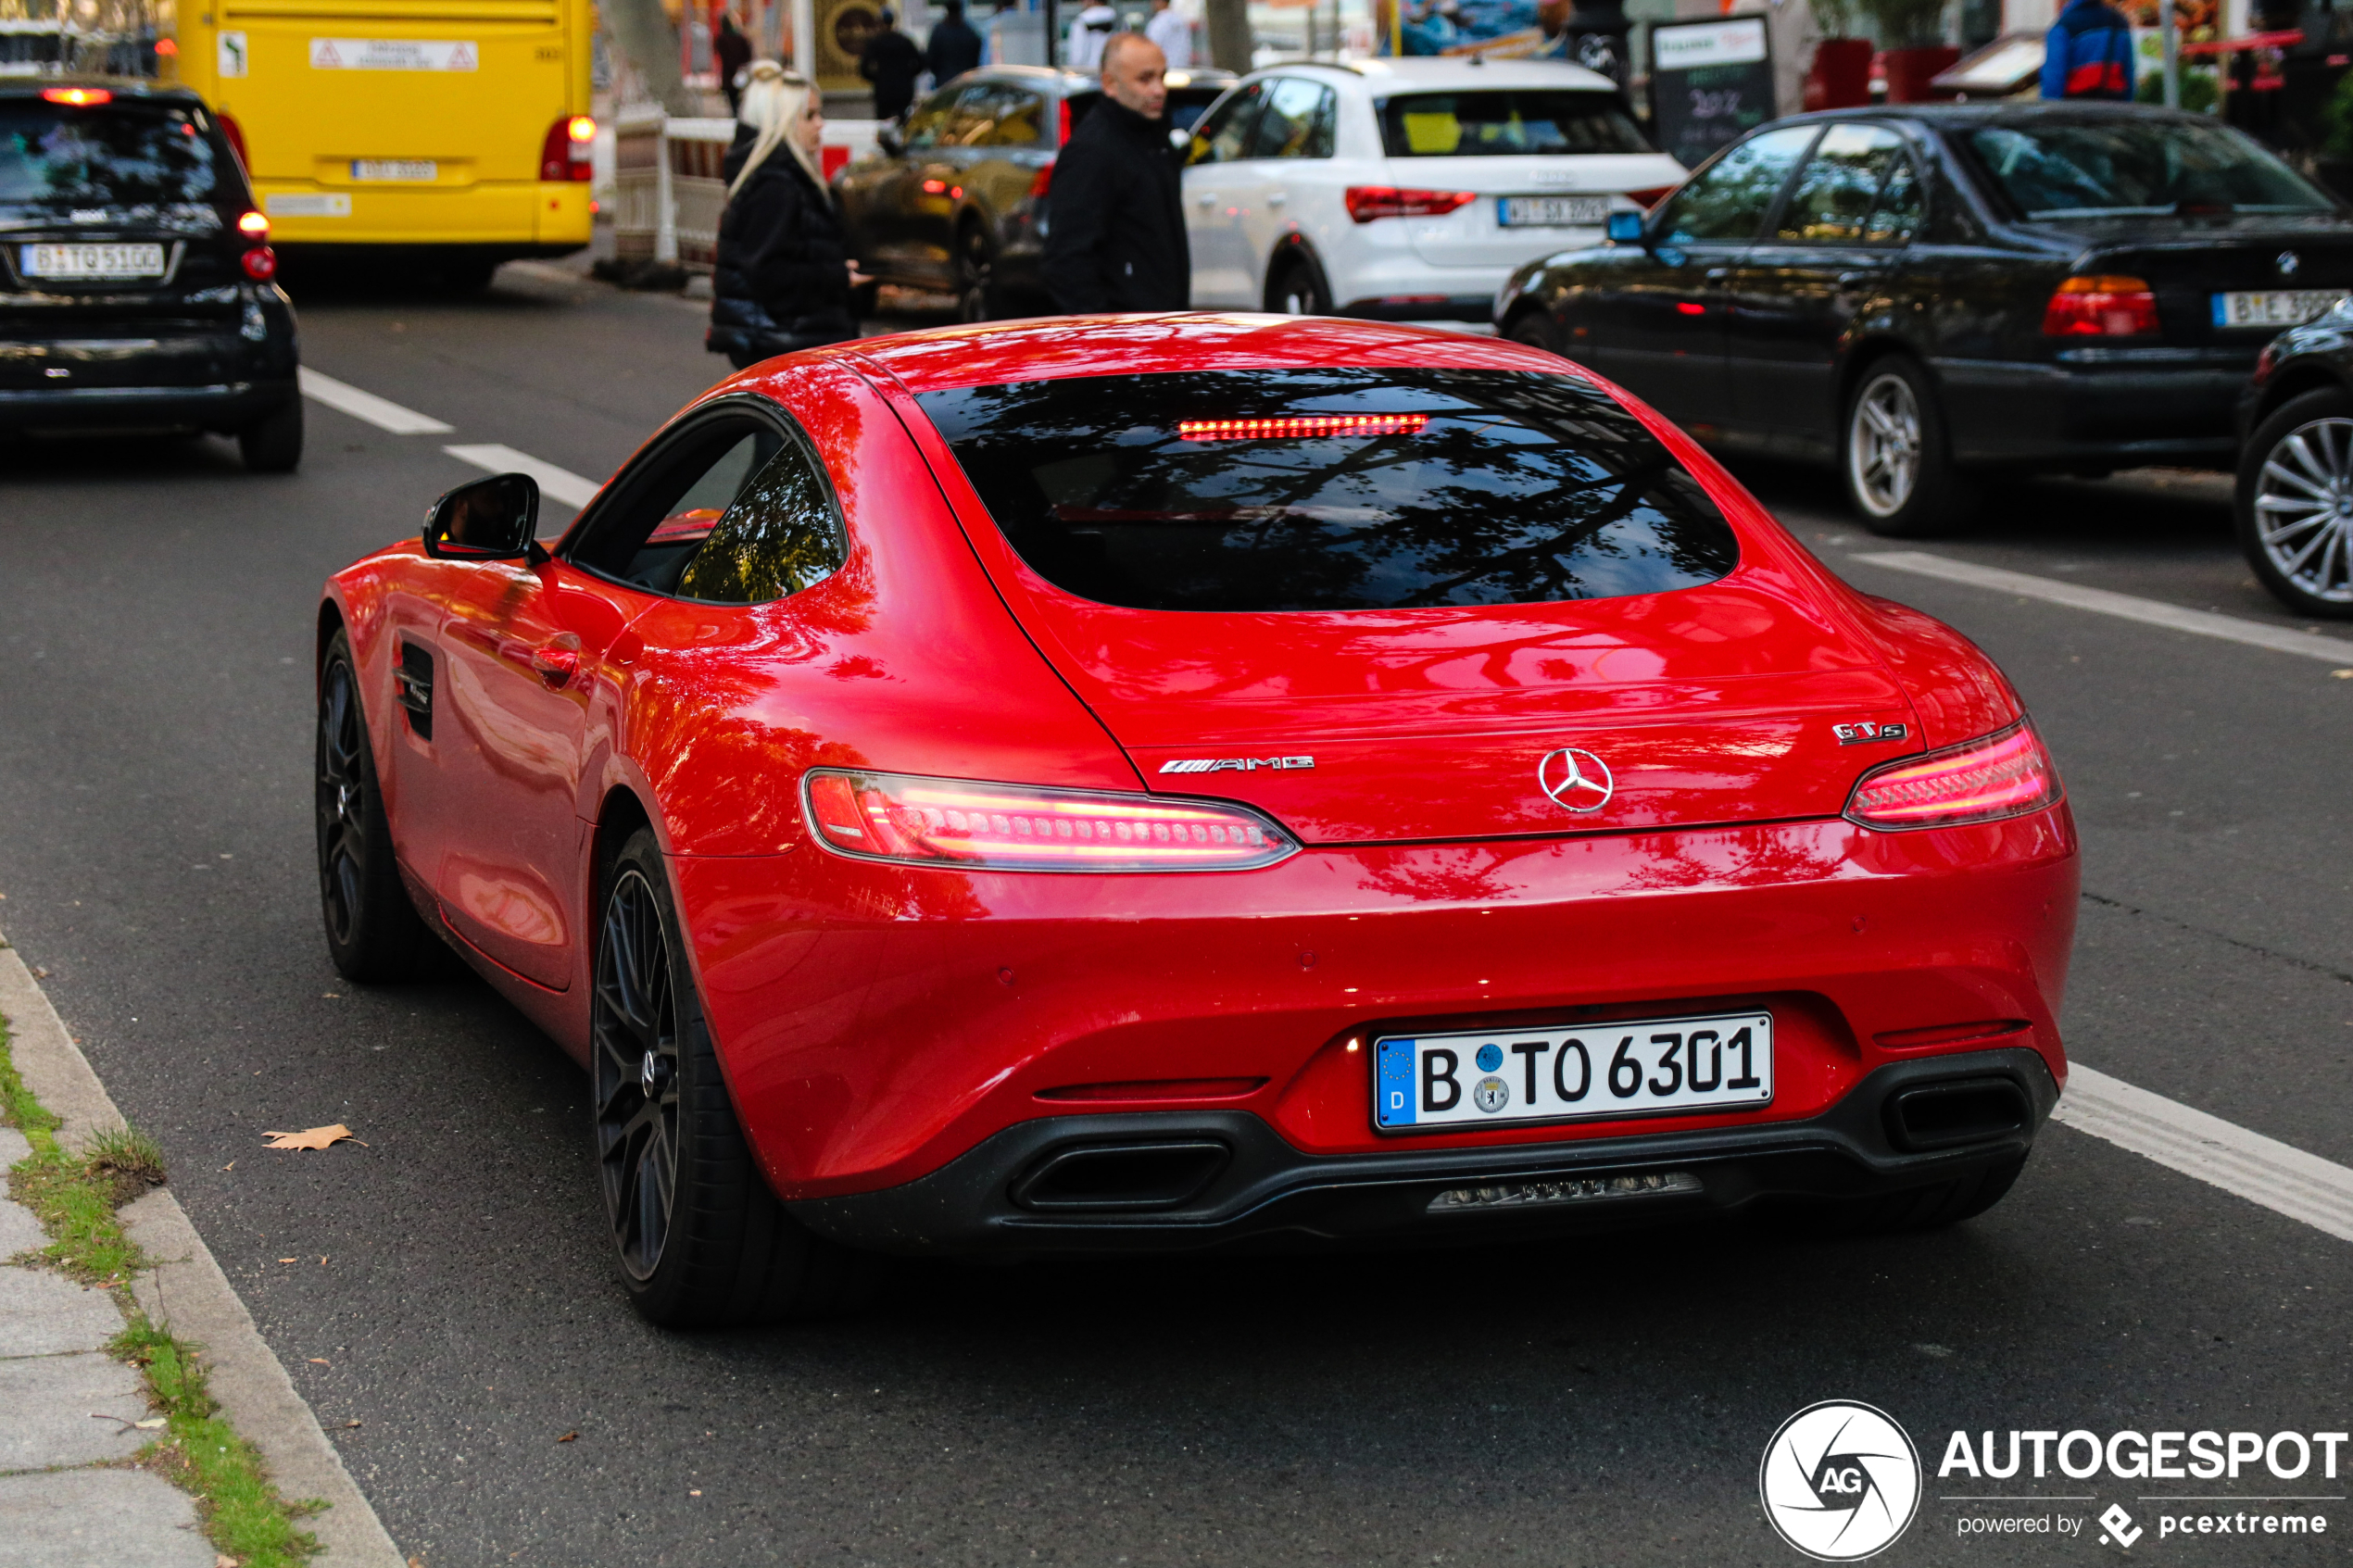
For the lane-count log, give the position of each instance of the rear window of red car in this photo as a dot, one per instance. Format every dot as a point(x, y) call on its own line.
point(1332, 489)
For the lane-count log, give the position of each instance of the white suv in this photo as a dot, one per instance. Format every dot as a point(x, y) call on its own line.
point(1405, 190)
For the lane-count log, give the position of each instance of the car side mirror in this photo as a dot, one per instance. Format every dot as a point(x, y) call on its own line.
point(1625, 229)
point(495, 519)
point(888, 138)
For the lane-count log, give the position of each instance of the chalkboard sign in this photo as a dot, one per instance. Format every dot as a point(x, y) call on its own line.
point(1711, 83)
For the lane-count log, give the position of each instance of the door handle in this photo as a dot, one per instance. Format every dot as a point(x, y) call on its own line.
point(556, 665)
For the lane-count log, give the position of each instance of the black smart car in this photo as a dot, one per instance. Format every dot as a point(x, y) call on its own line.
point(135, 272)
point(955, 201)
point(1920, 292)
point(2295, 470)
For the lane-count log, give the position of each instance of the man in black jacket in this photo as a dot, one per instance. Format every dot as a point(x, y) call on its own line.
point(953, 47)
point(891, 62)
point(1115, 239)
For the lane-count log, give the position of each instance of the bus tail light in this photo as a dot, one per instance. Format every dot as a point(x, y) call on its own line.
point(236, 134)
point(569, 151)
point(2007, 774)
point(2100, 307)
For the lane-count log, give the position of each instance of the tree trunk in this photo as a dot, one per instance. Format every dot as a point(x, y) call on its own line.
point(645, 37)
point(1229, 34)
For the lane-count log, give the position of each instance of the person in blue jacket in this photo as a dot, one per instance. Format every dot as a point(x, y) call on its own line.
point(2088, 52)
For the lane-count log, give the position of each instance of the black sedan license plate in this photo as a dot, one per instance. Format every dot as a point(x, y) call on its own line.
point(1632, 1067)
point(1551, 212)
point(92, 261)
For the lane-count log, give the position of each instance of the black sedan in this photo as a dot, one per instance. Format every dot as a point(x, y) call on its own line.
point(1923, 292)
point(955, 200)
point(136, 277)
point(2295, 471)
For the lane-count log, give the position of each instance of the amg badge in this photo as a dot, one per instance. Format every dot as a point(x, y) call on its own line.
point(1862, 732)
point(1233, 764)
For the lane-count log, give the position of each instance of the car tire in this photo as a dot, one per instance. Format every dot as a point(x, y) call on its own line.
point(1894, 454)
point(975, 275)
point(1298, 289)
point(273, 444)
point(374, 932)
point(701, 1241)
point(2296, 504)
point(1538, 330)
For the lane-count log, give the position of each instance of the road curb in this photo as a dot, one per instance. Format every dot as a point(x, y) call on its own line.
point(187, 1292)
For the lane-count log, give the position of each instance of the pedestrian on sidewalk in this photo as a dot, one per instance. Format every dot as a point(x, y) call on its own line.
point(953, 47)
point(2088, 52)
point(732, 50)
point(1090, 31)
point(1118, 239)
point(890, 62)
point(1172, 34)
point(784, 275)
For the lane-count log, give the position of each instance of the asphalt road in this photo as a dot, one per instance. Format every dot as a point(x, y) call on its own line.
point(446, 1307)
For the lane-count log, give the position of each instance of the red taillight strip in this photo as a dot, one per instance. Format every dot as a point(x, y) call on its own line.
point(2007, 774)
point(1308, 424)
point(956, 822)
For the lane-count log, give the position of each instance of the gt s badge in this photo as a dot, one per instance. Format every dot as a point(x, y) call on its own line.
point(1233, 764)
point(1863, 732)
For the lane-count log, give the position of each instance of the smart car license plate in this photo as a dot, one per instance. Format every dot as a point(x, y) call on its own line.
point(2274, 308)
point(1551, 212)
point(92, 261)
point(423, 171)
point(1632, 1067)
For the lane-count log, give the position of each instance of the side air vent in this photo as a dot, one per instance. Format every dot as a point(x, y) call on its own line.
point(1107, 1177)
point(1952, 1115)
point(412, 680)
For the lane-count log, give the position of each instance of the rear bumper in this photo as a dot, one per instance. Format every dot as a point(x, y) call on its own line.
point(2109, 406)
point(521, 216)
point(228, 405)
point(990, 1201)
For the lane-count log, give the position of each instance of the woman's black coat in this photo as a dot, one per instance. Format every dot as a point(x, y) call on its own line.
point(782, 280)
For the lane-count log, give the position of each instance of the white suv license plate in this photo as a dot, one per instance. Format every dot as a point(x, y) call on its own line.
point(1632, 1067)
point(1551, 212)
point(92, 261)
point(2274, 308)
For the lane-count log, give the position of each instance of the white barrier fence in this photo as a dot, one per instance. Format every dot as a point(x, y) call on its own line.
point(667, 189)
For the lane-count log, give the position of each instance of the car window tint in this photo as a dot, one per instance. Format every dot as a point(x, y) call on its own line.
point(121, 154)
point(1187, 105)
point(1503, 123)
point(656, 514)
point(931, 118)
point(1296, 120)
point(2116, 167)
point(1834, 194)
point(1897, 215)
point(1332, 489)
point(1224, 131)
point(778, 535)
point(1729, 199)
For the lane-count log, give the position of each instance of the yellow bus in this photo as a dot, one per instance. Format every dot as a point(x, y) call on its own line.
point(456, 129)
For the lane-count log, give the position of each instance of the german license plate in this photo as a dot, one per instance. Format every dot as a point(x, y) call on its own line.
point(2274, 308)
point(1553, 212)
point(1634, 1067)
point(413, 168)
point(92, 261)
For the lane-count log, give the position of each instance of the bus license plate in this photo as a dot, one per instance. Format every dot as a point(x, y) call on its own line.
point(413, 168)
point(1632, 1067)
point(2274, 308)
point(1553, 212)
point(92, 261)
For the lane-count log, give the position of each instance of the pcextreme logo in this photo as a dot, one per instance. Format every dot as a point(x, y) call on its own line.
point(1840, 1481)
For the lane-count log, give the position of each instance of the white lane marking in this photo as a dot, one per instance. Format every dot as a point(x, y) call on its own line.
point(383, 415)
point(561, 485)
point(2124, 607)
point(2279, 1177)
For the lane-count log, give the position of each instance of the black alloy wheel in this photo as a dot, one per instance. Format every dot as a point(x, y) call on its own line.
point(975, 273)
point(373, 931)
point(2296, 504)
point(1896, 454)
point(1299, 289)
point(701, 1240)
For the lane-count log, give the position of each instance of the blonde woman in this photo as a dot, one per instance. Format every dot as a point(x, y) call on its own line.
point(784, 275)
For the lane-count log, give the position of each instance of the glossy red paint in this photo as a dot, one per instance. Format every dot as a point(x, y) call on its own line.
point(876, 1021)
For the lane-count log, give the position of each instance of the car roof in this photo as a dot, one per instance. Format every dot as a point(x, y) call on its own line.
point(1054, 348)
point(1439, 72)
point(2001, 111)
point(121, 86)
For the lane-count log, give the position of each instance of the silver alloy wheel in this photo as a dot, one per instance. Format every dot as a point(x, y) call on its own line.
point(1884, 444)
point(2304, 509)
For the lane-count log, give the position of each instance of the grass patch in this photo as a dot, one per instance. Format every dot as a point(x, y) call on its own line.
point(75, 1195)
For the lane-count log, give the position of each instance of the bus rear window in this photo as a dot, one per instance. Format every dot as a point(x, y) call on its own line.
point(1332, 489)
point(1500, 122)
point(113, 154)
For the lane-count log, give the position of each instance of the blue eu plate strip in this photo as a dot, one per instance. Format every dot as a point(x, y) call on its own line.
point(1394, 1091)
point(2222, 310)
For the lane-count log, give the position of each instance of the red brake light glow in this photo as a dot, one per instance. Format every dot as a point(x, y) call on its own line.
point(1020, 828)
point(1368, 202)
point(260, 263)
point(254, 226)
point(2100, 307)
point(569, 151)
point(2007, 774)
point(78, 97)
point(1304, 426)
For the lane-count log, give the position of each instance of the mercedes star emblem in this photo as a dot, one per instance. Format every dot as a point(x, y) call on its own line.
point(1576, 781)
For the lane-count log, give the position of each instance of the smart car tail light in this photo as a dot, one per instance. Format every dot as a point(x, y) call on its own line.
point(1020, 828)
point(1368, 202)
point(570, 150)
point(254, 226)
point(2007, 774)
point(260, 263)
point(1305, 425)
point(2103, 306)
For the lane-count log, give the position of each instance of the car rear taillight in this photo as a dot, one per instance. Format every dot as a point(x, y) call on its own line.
point(236, 134)
point(1368, 202)
point(1041, 183)
point(254, 226)
point(1020, 828)
point(260, 264)
point(2104, 306)
point(78, 97)
point(1062, 135)
point(1651, 196)
point(570, 150)
point(2007, 774)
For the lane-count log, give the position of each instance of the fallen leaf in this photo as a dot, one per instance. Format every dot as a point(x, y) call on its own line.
point(231, 1166)
point(697, 1492)
point(289, 1260)
point(322, 1262)
point(222, 1560)
point(2343, 675)
point(569, 1438)
point(150, 1424)
point(313, 1138)
point(350, 1423)
point(321, 1361)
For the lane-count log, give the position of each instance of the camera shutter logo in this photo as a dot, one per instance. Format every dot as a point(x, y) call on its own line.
point(1841, 1481)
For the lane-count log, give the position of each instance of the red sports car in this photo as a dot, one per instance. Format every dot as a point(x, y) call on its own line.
point(1153, 782)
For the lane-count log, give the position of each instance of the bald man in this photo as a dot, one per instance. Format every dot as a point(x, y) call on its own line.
point(1115, 218)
